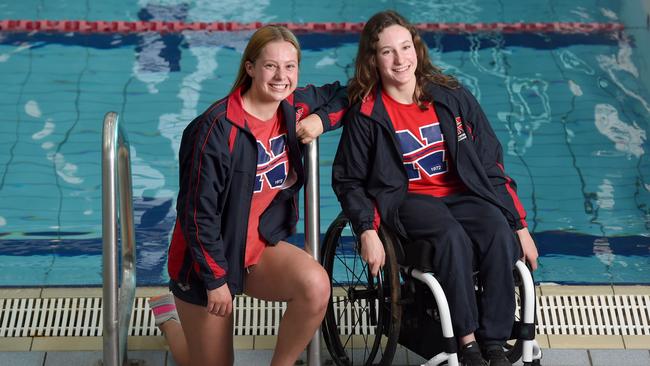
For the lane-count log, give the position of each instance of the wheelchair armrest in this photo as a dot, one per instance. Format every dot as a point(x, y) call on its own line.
point(529, 292)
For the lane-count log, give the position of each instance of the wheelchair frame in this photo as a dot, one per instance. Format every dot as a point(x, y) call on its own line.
point(381, 296)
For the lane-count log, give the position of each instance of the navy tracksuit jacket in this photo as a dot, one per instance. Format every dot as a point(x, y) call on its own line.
point(218, 162)
point(368, 172)
point(370, 181)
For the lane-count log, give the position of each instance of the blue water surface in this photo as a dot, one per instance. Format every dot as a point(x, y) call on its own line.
point(571, 111)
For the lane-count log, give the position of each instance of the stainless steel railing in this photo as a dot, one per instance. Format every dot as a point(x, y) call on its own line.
point(312, 230)
point(116, 315)
point(117, 302)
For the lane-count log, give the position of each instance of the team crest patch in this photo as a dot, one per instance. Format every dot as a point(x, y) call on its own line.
point(460, 132)
point(299, 112)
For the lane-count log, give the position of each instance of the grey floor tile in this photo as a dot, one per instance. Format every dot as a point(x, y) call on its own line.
point(170, 359)
point(521, 363)
point(22, 358)
point(362, 354)
point(401, 356)
point(151, 358)
point(565, 357)
point(253, 357)
point(414, 359)
point(73, 358)
point(631, 357)
point(552, 357)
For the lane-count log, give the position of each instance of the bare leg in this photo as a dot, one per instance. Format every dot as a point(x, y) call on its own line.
point(175, 338)
point(287, 273)
point(164, 311)
point(208, 340)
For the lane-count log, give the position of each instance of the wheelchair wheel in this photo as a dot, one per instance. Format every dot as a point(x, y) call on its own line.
point(514, 348)
point(362, 323)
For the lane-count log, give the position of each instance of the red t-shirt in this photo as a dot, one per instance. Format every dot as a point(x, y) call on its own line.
point(424, 150)
point(272, 172)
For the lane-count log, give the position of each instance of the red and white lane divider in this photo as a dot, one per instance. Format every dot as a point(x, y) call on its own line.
point(85, 26)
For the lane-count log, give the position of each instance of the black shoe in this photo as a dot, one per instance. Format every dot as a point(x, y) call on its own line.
point(496, 356)
point(470, 355)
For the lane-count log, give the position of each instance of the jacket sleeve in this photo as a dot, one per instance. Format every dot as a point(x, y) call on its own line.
point(350, 171)
point(490, 152)
point(204, 167)
point(329, 102)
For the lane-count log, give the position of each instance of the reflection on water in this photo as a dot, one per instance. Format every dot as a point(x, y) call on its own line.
point(627, 138)
point(571, 111)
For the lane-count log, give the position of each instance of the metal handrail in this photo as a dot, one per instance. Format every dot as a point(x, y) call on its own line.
point(116, 190)
point(312, 231)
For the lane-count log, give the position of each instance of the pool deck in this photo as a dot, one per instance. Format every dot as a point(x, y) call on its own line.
point(558, 349)
point(552, 357)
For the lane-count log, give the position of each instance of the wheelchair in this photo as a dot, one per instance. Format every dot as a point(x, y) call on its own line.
point(368, 316)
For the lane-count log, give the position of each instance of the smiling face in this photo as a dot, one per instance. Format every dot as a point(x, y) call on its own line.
point(274, 73)
point(396, 58)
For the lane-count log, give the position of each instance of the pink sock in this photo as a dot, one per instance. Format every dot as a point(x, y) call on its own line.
point(163, 308)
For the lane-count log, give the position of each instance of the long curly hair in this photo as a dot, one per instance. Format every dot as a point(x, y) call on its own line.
point(366, 76)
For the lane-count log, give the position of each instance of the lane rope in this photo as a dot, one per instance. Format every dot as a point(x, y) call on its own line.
point(125, 27)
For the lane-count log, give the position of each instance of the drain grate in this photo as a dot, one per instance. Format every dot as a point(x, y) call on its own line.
point(77, 317)
point(50, 317)
point(594, 315)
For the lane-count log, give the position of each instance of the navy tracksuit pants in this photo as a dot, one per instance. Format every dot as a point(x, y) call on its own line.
point(461, 229)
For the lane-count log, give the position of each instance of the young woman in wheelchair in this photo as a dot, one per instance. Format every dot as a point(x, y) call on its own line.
point(418, 154)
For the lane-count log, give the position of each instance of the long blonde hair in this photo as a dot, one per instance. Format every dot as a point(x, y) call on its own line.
point(366, 77)
point(259, 39)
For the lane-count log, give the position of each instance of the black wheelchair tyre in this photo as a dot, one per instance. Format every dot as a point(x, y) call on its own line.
point(370, 305)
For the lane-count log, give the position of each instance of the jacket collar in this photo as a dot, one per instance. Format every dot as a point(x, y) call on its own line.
point(236, 115)
point(372, 106)
point(235, 109)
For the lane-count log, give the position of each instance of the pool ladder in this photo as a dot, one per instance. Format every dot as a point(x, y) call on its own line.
point(117, 302)
point(117, 189)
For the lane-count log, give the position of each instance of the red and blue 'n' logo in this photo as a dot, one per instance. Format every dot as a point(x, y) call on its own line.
point(423, 153)
point(271, 163)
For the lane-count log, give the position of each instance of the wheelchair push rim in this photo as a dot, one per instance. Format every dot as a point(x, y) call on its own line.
point(362, 322)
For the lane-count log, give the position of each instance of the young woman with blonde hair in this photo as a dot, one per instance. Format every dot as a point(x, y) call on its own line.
point(240, 171)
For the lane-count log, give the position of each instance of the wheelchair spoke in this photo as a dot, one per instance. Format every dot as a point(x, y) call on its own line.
point(359, 328)
point(354, 267)
point(351, 271)
point(365, 349)
point(340, 316)
point(358, 317)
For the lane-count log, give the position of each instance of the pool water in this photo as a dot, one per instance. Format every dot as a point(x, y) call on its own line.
point(571, 110)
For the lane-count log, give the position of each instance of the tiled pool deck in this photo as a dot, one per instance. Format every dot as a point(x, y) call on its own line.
point(558, 350)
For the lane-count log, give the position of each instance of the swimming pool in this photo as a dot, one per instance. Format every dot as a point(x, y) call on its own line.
point(572, 111)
